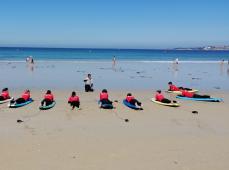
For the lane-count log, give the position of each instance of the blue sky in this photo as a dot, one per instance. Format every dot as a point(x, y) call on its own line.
point(114, 23)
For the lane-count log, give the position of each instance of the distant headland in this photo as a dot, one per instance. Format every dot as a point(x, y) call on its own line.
point(207, 48)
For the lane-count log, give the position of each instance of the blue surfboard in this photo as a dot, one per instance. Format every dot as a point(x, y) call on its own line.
point(47, 107)
point(200, 99)
point(15, 105)
point(126, 103)
point(106, 106)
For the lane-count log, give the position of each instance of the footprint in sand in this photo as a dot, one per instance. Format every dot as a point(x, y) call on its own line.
point(30, 129)
point(176, 122)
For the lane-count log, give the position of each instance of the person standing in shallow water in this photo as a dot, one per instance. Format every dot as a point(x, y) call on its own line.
point(176, 61)
point(222, 62)
point(30, 60)
point(88, 83)
point(114, 61)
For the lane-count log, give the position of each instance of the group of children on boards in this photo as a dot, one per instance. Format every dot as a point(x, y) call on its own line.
point(74, 100)
point(185, 92)
point(47, 100)
point(104, 99)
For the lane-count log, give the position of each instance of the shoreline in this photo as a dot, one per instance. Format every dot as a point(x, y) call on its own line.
point(119, 61)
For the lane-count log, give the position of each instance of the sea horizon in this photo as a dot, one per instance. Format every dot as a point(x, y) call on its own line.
point(177, 48)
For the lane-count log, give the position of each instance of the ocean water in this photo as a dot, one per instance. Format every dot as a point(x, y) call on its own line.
point(64, 54)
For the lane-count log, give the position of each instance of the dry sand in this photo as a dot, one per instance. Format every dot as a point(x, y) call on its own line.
point(159, 137)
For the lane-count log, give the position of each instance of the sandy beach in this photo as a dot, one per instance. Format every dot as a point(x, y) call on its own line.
point(158, 137)
point(133, 50)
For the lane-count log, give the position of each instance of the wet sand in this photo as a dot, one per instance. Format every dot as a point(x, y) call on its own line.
point(139, 74)
point(158, 137)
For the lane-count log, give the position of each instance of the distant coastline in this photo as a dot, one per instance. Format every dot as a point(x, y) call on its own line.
point(204, 48)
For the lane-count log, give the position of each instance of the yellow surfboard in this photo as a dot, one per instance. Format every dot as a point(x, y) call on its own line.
point(179, 92)
point(166, 104)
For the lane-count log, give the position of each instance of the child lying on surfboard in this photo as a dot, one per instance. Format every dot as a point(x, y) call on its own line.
point(5, 94)
point(172, 87)
point(131, 99)
point(24, 98)
point(186, 93)
point(160, 97)
point(104, 97)
point(74, 100)
point(48, 98)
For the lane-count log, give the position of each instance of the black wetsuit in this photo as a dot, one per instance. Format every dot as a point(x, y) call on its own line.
point(74, 104)
point(134, 101)
point(165, 100)
point(46, 101)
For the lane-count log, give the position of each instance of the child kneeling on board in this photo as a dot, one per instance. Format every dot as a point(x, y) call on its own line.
point(74, 100)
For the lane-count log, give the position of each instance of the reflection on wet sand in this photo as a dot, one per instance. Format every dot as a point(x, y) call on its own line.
point(175, 70)
point(221, 68)
point(30, 67)
point(125, 75)
point(228, 71)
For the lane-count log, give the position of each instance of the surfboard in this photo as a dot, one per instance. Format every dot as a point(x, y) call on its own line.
point(7, 100)
point(105, 106)
point(179, 92)
point(126, 103)
point(48, 107)
point(165, 104)
point(200, 99)
point(15, 105)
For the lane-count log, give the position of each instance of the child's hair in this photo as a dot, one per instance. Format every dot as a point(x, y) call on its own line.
point(181, 88)
point(73, 93)
point(104, 91)
point(27, 91)
point(159, 91)
point(48, 92)
point(170, 83)
point(129, 94)
point(5, 89)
